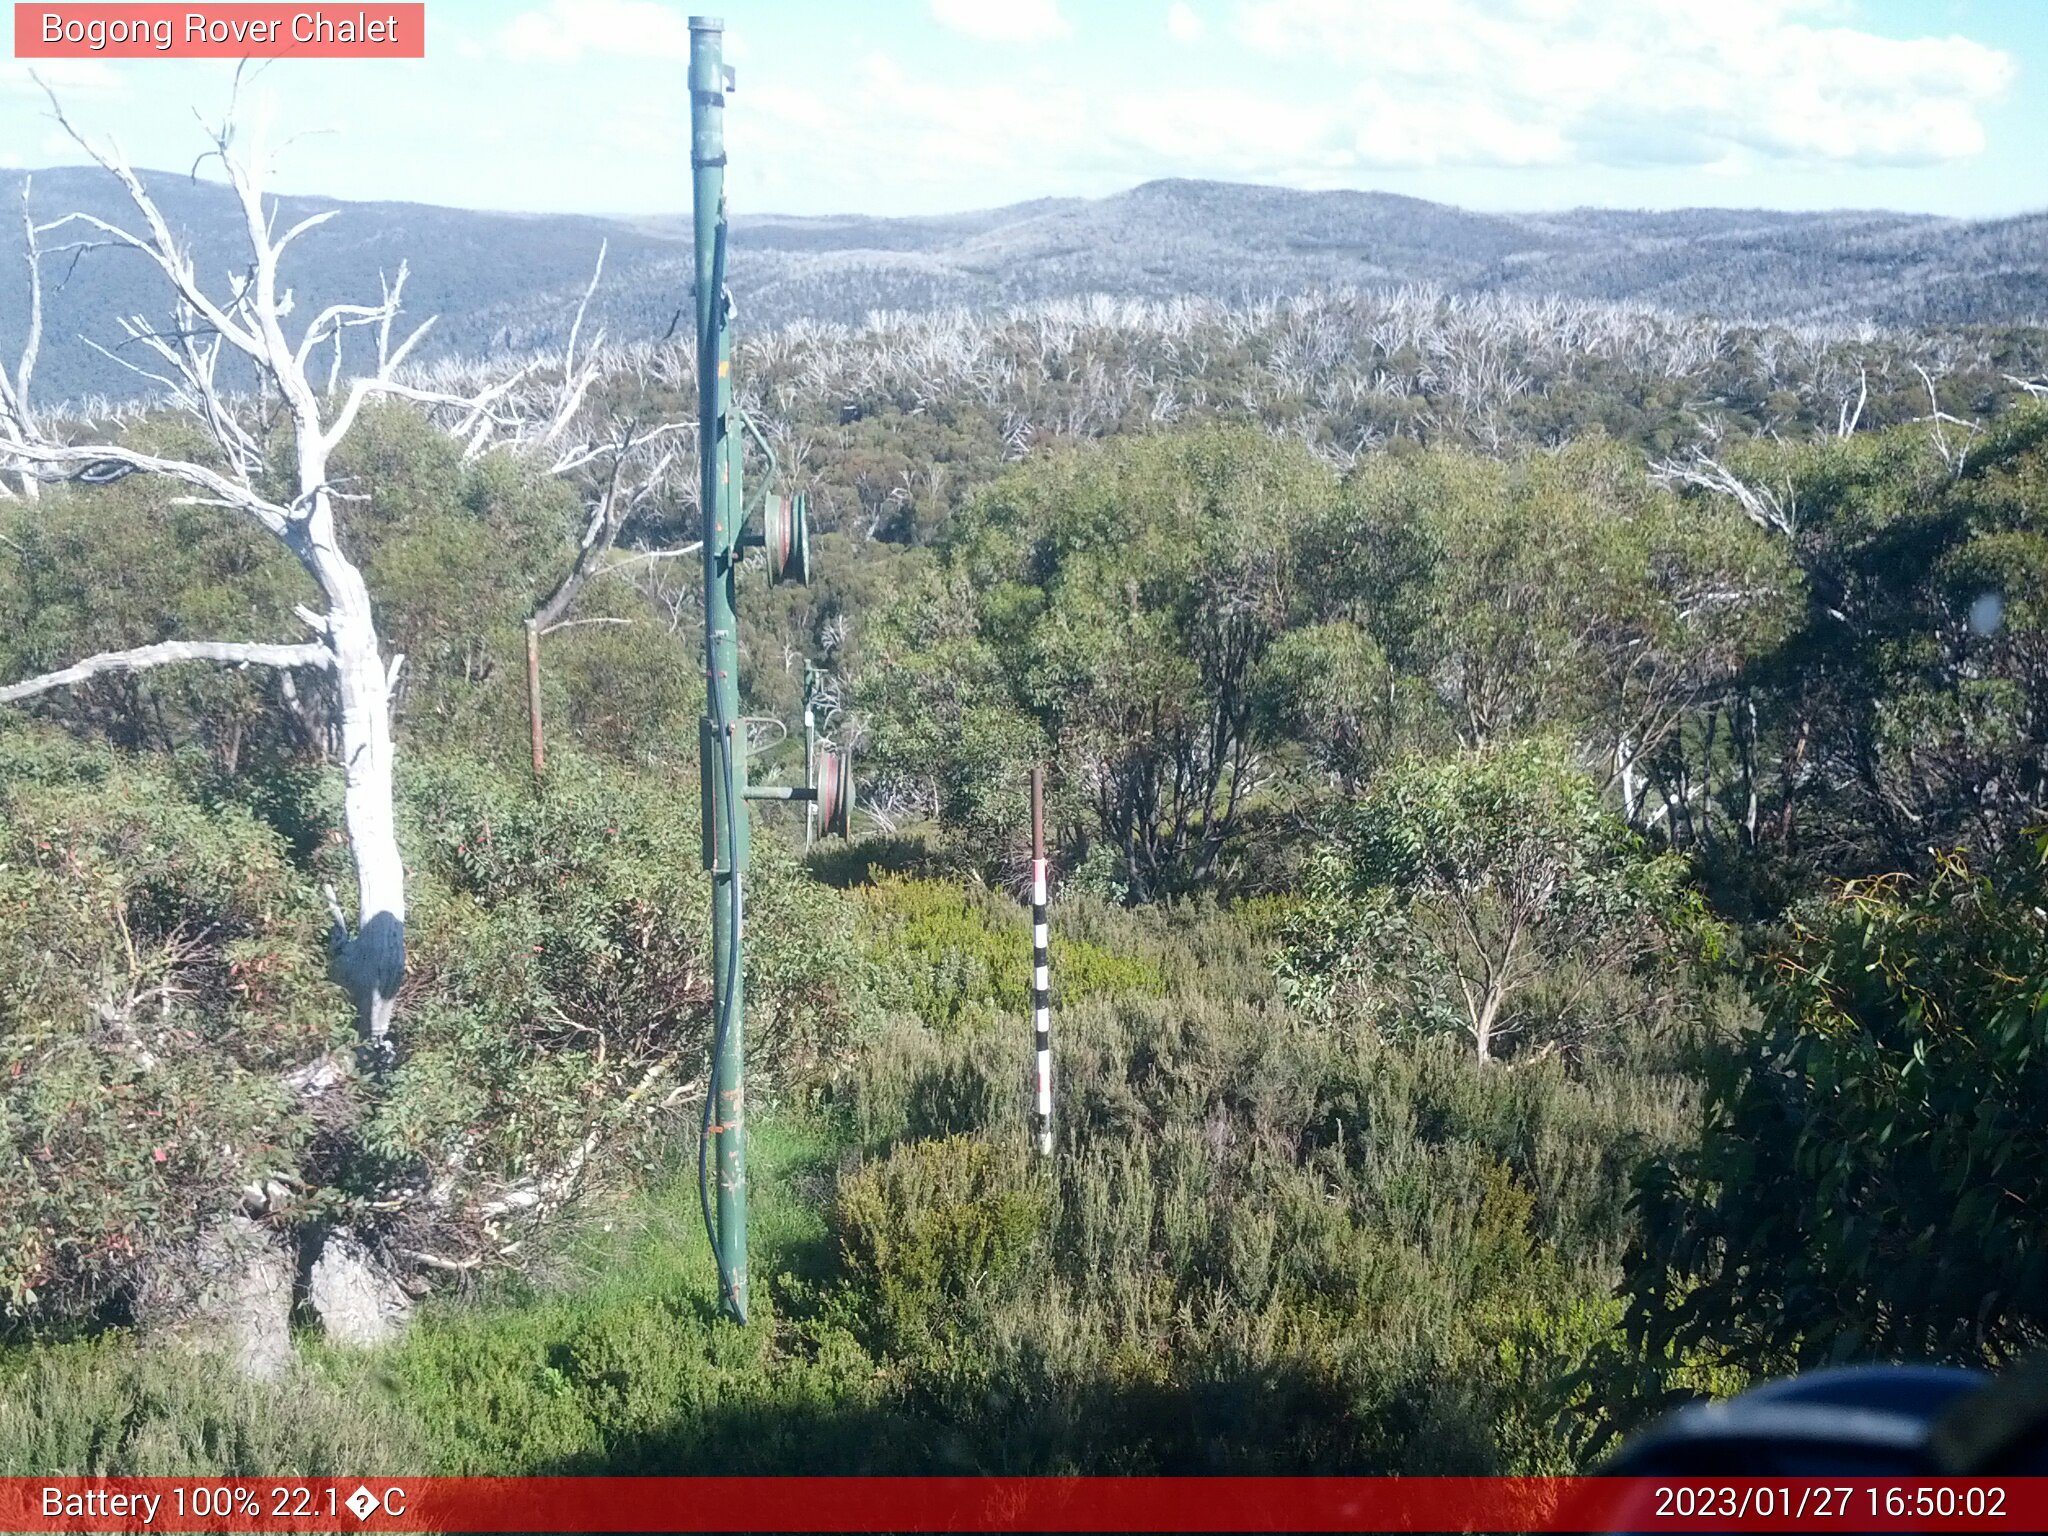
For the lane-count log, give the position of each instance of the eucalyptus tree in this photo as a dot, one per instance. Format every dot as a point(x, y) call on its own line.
point(1554, 591)
point(1489, 894)
point(1112, 607)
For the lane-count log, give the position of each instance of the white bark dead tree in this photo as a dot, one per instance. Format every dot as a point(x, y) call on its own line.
point(248, 322)
point(17, 416)
point(1775, 510)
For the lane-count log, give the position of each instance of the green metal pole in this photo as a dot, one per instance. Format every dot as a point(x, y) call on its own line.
point(722, 739)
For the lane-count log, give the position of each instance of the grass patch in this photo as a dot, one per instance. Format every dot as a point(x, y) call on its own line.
point(620, 1364)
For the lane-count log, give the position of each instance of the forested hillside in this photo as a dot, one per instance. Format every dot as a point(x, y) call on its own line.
point(1544, 806)
point(509, 282)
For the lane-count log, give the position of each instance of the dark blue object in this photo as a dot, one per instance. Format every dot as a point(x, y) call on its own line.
point(1862, 1420)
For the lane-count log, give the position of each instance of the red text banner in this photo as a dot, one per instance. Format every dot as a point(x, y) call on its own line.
point(220, 31)
point(1051, 1504)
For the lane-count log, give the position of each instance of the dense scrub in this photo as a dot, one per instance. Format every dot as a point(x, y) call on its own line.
point(1453, 961)
point(1400, 1259)
point(1870, 1177)
point(173, 1047)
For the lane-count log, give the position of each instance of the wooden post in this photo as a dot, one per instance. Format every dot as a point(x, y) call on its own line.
point(1041, 969)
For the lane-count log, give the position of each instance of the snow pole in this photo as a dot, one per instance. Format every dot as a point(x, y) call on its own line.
point(1041, 965)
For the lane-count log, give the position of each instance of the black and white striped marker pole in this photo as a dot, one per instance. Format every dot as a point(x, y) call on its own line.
point(1041, 968)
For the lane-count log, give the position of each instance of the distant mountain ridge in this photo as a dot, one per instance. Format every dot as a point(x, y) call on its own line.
point(509, 282)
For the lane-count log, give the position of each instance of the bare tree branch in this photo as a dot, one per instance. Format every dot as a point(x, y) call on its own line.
point(1774, 510)
point(98, 463)
point(168, 653)
point(648, 555)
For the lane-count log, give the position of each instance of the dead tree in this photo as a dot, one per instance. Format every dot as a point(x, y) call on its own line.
point(17, 416)
point(621, 470)
point(634, 467)
point(1775, 510)
point(246, 322)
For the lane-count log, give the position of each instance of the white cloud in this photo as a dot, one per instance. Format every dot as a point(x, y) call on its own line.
point(67, 77)
point(564, 30)
point(1003, 21)
point(1350, 88)
point(1508, 82)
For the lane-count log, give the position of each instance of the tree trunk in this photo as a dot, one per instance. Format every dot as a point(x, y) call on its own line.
point(1747, 737)
point(1791, 775)
point(372, 963)
point(1482, 1026)
point(1625, 769)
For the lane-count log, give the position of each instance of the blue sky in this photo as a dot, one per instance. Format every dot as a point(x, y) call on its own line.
point(920, 106)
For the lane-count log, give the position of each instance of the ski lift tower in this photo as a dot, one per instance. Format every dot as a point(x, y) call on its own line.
point(828, 779)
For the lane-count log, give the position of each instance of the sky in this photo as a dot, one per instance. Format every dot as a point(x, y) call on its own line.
point(932, 106)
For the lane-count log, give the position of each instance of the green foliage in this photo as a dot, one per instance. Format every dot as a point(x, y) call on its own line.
point(83, 571)
point(456, 555)
point(623, 1365)
point(1290, 1228)
point(1456, 889)
point(1401, 1258)
point(166, 967)
point(626, 688)
point(1330, 688)
point(560, 977)
point(932, 1224)
point(1110, 606)
point(965, 954)
point(1902, 712)
point(162, 965)
point(1871, 1173)
point(559, 955)
point(110, 1409)
point(1261, 1249)
point(1168, 619)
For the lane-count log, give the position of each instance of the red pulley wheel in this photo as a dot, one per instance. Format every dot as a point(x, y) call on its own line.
point(786, 532)
point(835, 793)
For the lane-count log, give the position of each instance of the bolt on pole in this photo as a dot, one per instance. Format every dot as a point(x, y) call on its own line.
point(1041, 965)
point(722, 738)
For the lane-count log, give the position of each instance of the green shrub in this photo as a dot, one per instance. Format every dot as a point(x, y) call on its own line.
point(166, 965)
point(1489, 894)
point(111, 1409)
point(561, 974)
point(931, 1225)
point(1872, 1168)
point(964, 955)
point(1402, 1259)
point(162, 965)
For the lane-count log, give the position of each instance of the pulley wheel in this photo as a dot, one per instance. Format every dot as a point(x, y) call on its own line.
point(786, 533)
point(835, 792)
